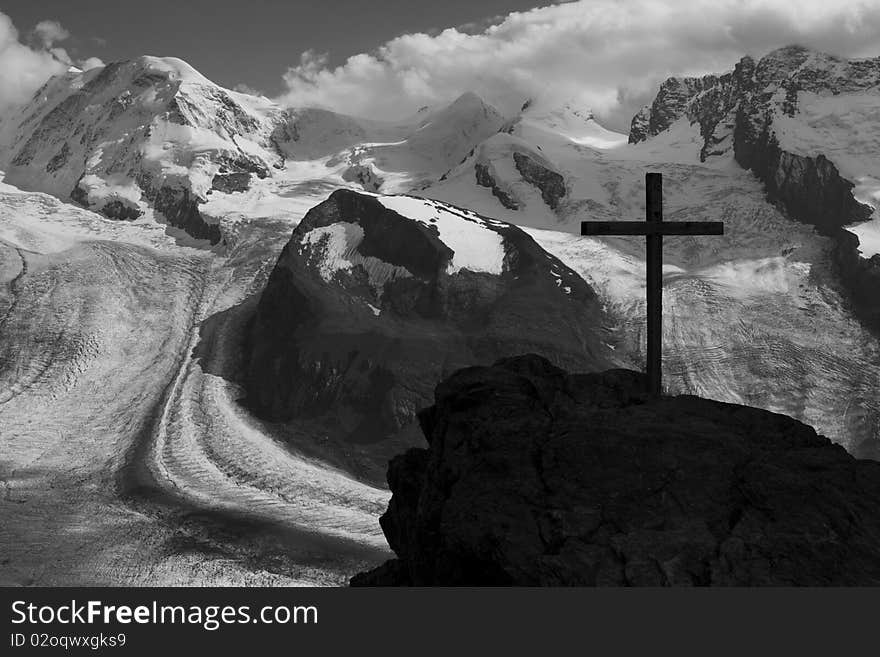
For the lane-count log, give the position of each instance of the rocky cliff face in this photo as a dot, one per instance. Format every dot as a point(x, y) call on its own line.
point(756, 111)
point(672, 101)
point(484, 178)
point(376, 297)
point(538, 477)
point(550, 183)
point(761, 91)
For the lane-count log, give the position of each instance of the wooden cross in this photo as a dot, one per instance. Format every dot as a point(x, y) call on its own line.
point(654, 229)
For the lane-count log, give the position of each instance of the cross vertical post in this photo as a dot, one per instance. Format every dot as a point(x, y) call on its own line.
point(653, 229)
point(654, 293)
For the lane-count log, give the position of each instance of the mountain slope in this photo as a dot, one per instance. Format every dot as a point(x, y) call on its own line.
point(153, 138)
point(808, 125)
point(375, 297)
point(134, 137)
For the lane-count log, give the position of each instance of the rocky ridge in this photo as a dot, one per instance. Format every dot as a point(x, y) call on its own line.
point(749, 111)
point(537, 477)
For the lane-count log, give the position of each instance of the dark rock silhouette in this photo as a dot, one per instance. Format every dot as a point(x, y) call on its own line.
point(539, 477)
point(355, 359)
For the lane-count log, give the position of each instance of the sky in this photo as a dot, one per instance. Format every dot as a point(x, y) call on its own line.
point(252, 41)
point(384, 59)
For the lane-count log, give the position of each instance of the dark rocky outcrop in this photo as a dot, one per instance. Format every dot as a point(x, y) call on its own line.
point(365, 176)
point(860, 276)
point(239, 181)
point(355, 352)
point(811, 189)
point(538, 477)
point(181, 209)
point(236, 172)
point(117, 209)
point(59, 159)
point(551, 184)
point(484, 178)
point(669, 105)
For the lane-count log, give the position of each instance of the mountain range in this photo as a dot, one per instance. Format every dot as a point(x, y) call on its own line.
point(217, 307)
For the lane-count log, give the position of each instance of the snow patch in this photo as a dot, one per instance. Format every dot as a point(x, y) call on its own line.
point(338, 241)
point(476, 245)
point(337, 244)
point(574, 123)
point(869, 236)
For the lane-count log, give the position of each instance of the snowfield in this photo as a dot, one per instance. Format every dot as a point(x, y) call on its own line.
point(124, 460)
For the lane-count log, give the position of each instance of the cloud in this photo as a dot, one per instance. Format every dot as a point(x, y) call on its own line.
point(90, 63)
point(609, 55)
point(247, 89)
point(23, 68)
point(49, 33)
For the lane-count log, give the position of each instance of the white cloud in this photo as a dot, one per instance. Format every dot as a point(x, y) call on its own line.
point(23, 69)
point(90, 63)
point(606, 54)
point(247, 89)
point(49, 33)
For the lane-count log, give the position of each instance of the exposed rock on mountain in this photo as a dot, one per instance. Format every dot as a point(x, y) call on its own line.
point(803, 123)
point(538, 477)
point(551, 184)
point(231, 182)
point(151, 137)
point(365, 176)
point(521, 167)
point(486, 179)
point(376, 297)
point(671, 102)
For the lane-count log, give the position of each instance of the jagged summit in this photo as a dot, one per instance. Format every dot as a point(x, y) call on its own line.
point(805, 123)
point(790, 69)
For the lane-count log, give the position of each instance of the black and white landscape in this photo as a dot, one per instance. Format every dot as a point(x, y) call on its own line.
point(222, 314)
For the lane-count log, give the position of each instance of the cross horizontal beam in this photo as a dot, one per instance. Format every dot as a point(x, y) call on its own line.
point(652, 228)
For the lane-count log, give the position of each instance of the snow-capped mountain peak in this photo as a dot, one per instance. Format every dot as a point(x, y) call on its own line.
point(134, 137)
point(804, 121)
